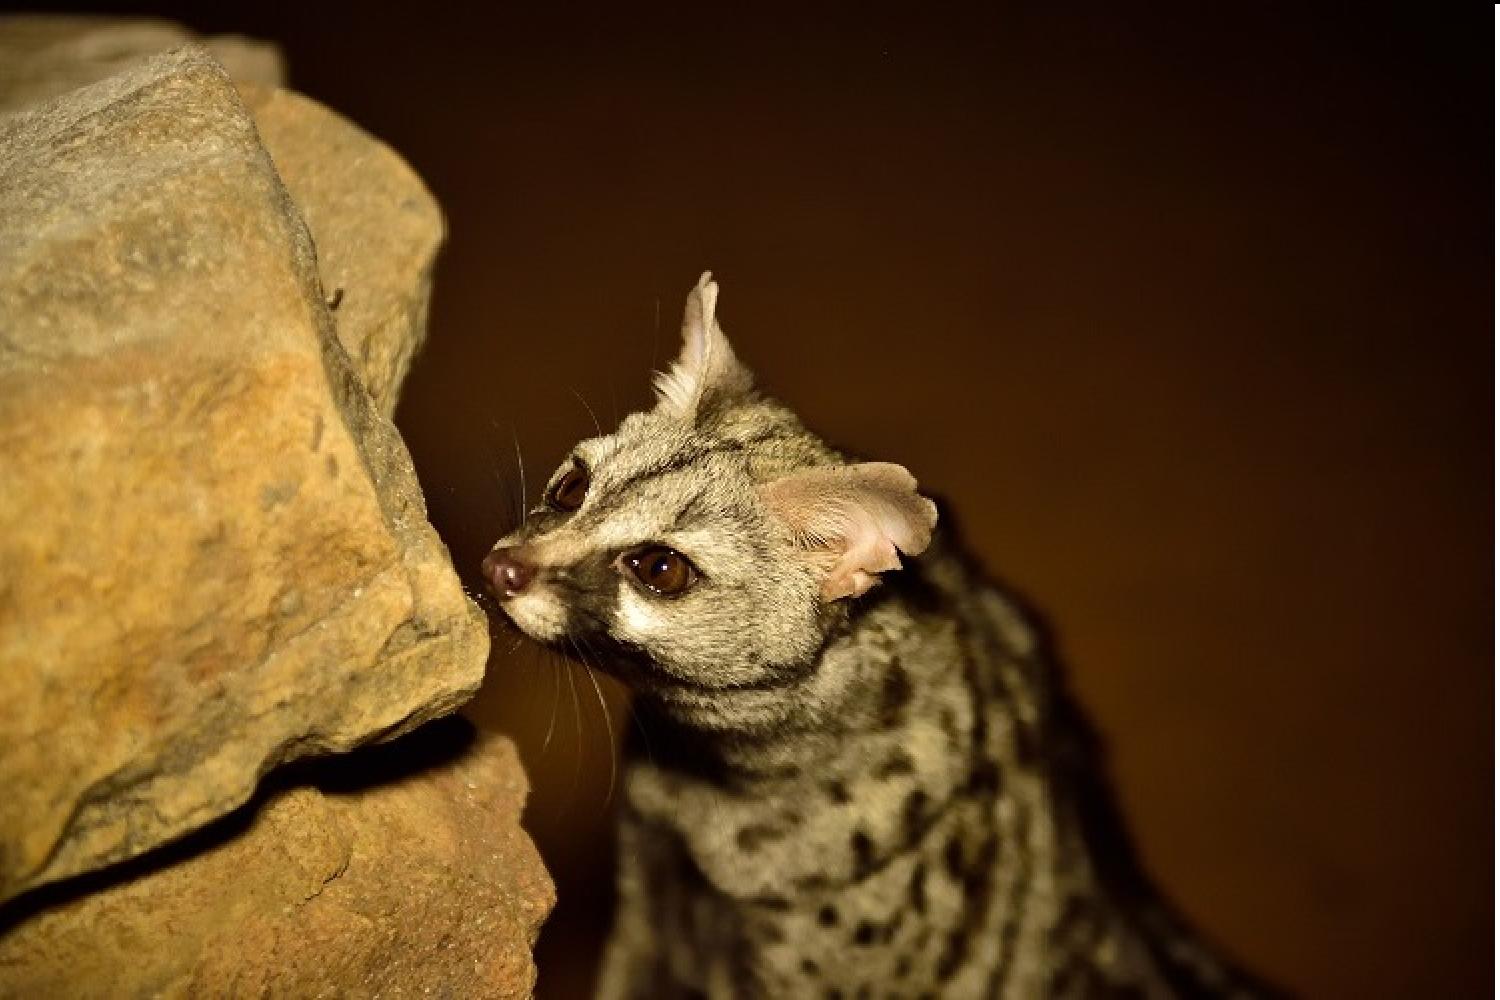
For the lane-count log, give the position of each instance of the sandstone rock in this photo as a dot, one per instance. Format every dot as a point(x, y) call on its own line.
point(45, 56)
point(423, 886)
point(214, 556)
point(376, 227)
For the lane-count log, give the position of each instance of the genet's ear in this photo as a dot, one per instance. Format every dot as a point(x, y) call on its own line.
point(707, 368)
point(861, 515)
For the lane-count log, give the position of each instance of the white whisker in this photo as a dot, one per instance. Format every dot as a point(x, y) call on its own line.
point(517, 504)
point(520, 468)
point(578, 734)
point(579, 396)
point(609, 726)
point(655, 330)
point(552, 720)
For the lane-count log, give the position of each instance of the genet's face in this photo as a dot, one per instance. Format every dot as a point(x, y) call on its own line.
point(651, 546)
point(700, 550)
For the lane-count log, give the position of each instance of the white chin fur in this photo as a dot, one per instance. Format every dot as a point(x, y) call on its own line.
point(537, 614)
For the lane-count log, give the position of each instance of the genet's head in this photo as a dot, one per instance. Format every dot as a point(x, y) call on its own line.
point(709, 544)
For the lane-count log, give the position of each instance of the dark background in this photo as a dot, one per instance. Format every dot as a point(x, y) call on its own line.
point(1186, 308)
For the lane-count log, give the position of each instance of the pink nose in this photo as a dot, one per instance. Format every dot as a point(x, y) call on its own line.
point(507, 572)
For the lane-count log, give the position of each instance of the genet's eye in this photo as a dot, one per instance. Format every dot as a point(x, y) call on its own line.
point(664, 571)
point(568, 494)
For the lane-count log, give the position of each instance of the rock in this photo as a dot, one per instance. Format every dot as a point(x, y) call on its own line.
point(214, 556)
point(376, 227)
point(45, 56)
point(424, 885)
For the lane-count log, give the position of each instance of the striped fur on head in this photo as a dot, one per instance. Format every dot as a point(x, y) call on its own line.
point(782, 529)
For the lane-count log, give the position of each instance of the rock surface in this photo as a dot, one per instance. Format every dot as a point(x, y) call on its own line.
point(214, 556)
point(45, 56)
point(376, 227)
point(422, 886)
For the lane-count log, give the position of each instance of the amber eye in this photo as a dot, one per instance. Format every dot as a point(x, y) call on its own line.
point(664, 571)
point(570, 490)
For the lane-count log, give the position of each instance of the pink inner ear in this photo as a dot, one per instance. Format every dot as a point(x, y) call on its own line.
point(866, 514)
point(854, 572)
point(850, 584)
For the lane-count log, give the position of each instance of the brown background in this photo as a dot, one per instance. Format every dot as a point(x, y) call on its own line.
point(1185, 308)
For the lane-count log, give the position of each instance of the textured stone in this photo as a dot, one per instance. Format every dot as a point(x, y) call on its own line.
point(419, 886)
point(376, 227)
point(45, 56)
point(214, 556)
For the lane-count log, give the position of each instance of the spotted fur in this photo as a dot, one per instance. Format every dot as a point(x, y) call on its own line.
point(864, 779)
